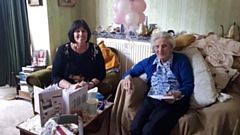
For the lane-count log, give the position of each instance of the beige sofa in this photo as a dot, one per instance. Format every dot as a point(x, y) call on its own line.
point(220, 118)
point(207, 115)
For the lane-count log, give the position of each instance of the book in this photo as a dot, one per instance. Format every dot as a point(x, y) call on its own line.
point(23, 76)
point(31, 69)
point(32, 66)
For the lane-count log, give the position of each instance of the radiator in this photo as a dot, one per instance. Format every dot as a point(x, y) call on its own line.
point(129, 52)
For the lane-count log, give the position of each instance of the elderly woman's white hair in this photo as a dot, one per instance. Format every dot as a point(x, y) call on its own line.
point(162, 35)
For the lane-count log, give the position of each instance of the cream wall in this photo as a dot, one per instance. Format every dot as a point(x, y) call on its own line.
point(38, 23)
point(49, 25)
point(194, 16)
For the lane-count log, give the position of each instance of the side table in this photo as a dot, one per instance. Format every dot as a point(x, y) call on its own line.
point(97, 125)
point(20, 94)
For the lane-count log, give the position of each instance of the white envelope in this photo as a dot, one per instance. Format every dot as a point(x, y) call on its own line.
point(161, 97)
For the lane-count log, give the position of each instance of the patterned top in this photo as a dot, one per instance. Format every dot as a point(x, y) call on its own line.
point(163, 80)
point(180, 67)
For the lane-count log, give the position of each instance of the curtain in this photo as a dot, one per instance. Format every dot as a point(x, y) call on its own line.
point(14, 39)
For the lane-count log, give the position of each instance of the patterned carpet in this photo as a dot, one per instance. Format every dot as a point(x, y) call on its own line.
point(12, 112)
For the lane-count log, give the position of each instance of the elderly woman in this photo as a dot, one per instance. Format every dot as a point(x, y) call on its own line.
point(78, 62)
point(170, 80)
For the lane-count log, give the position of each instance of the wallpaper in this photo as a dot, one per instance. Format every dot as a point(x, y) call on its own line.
point(60, 20)
point(194, 16)
point(49, 23)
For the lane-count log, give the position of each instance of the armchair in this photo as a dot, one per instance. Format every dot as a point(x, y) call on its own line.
point(107, 87)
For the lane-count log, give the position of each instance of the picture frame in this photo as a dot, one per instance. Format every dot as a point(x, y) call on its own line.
point(66, 3)
point(35, 2)
point(39, 58)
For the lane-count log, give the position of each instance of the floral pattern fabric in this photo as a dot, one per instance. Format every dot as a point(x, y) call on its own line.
point(163, 80)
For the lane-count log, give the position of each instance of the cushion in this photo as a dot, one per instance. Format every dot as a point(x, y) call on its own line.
point(204, 92)
point(110, 58)
point(221, 76)
point(183, 41)
point(49, 67)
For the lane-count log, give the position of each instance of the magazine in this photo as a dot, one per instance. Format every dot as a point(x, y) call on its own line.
point(39, 57)
point(52, 100)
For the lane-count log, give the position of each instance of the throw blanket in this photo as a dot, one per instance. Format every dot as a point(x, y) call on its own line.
point(219, 54)
point(110, 58)
point(219, 51)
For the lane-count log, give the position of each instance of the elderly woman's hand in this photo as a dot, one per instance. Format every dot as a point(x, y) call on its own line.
point(175, 94)
point(128, 84)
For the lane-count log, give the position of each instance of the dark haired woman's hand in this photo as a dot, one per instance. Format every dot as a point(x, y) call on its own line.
point(74, 86)
point(82, 83)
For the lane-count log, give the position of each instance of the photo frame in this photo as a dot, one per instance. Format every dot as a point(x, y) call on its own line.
point(66, 3)
point(35, 2)
point(39, 58)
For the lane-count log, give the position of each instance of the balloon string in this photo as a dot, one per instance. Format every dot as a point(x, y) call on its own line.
point(127, 32)
point(128, 44)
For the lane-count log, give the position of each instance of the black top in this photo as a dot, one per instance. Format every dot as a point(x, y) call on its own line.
point(75, 67)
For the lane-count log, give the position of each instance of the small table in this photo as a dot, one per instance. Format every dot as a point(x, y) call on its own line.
point(21, 94)
point(98, 124)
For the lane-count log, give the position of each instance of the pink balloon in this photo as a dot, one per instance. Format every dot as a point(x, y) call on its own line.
point(115, 5)
point(138, 5)
point(141, 17)
point(119, 18)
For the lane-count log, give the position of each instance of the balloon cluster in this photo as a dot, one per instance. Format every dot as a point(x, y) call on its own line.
point(129, 12)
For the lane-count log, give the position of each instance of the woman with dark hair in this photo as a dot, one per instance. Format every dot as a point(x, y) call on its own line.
point(78, 62)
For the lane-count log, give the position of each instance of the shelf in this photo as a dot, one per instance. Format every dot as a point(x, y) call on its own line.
point(20, 93)
point(23, 95)
point(121, 36)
